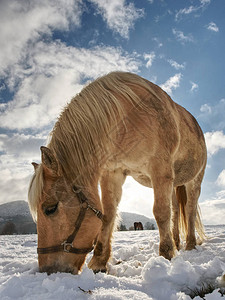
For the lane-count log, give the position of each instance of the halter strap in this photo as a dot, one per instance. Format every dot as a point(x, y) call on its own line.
point(67, 245)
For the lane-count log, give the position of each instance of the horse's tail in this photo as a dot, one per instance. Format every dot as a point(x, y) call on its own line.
point(181, 196)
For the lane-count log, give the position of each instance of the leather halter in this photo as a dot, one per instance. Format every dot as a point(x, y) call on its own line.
point(67, 245)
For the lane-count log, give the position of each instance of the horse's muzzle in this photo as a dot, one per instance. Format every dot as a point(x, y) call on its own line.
point(56, 268)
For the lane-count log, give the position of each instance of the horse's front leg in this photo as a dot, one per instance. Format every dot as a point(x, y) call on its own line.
point(111, 189)
point(162, 180)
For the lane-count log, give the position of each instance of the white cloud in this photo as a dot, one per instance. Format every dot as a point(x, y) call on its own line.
point(23, 22)
point(19, 145)
point(14, 184)
point(213, 27)
point(136, 198)
point(176, 65)
point(205, 108)
point(213, 115)
point(221, 179)
point(214, 141)
point(213, 210)
point(150, 58)
point(191, 9)
point(119, 16)
point(205, 2)
point(53, 77)
point(2, 87)
point(194, 86)
point(19, 150)
point(153, 79)
point(172, 83)
point(159, 43)
point(185, 11)
point(179, 35)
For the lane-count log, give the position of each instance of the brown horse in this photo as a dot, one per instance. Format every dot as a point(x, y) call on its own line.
point(119, 125)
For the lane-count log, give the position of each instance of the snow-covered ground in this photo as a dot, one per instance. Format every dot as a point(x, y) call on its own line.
point(135, 271)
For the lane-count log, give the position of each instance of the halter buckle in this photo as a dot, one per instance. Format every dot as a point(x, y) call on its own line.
point(67, 246)
point(96, 211)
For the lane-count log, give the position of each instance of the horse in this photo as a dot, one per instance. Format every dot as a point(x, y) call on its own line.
point(119, 125)
point(138, 226)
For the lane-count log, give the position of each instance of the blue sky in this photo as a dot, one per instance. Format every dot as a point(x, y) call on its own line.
point(50, 49)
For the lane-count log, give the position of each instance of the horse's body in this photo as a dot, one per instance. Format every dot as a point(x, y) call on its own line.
point(119, 125)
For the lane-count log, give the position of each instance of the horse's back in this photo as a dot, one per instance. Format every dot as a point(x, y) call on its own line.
point(161, 131)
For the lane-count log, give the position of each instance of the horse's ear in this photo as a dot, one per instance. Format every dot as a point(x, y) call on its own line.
point(48, 159)
point(35, 165)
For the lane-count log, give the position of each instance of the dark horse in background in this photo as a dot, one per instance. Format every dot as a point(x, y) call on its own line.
point(138, 226)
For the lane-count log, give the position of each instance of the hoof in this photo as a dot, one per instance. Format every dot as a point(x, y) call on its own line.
point(97, 266)
point(191, 243)
point(190, 247)
point(166, 251)
point(100, 270)
point(177, 244)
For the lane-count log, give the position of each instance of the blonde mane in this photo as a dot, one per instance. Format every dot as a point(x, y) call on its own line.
point(35, 191)
point(79, 136)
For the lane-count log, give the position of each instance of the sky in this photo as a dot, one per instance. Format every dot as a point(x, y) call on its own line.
point(50, 49)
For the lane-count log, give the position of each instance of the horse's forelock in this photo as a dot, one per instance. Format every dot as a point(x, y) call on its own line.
point(35, 191)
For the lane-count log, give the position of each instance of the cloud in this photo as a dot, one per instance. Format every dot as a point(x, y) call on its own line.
point(205, 108)
point(213, 27)
point(172, 83)
point(21, 145)
point(119, 16)
point(214, 141)
point(213, 210)
point(176, 65)
point(19, 150)
point(194, 86)
point(205, 2)
point(179, 35)
point(213, 115)
point(185, 11)
point(150, 58)
point(23, 22)
point(191, 9)
point(159, 43)
point(137, 197)
point(51, 75)
point(221, 179)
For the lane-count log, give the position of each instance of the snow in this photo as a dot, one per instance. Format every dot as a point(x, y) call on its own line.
point(135, 270)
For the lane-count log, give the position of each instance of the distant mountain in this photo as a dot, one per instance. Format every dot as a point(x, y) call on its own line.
point(15, 208)
point(16, 216)
point(128, 219)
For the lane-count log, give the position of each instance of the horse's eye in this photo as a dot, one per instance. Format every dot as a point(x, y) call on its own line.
point(51, 209)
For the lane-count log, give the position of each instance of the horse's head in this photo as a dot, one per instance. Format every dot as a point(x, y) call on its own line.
point(68, 219)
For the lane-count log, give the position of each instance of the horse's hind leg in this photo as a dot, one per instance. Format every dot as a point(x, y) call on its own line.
point(175, 221)
point(162, 180)
point(111, 189)
point(193, 189)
